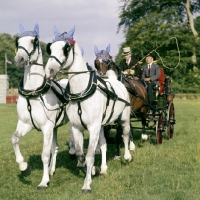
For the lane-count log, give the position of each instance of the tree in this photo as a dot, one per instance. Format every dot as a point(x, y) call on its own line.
point(150, 25)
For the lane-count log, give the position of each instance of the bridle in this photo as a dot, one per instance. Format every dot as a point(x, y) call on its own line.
point(71, 47)
point(35, 46)
point(102, 66)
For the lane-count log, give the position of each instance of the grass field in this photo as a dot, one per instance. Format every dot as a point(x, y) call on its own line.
point(170, 171)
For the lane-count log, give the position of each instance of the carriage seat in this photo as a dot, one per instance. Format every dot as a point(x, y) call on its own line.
point(161, 80)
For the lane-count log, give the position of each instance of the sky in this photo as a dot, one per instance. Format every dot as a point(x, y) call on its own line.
point(95, 21)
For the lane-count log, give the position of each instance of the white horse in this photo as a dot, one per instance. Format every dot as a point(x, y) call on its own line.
point(92, 103)
point(38, 106)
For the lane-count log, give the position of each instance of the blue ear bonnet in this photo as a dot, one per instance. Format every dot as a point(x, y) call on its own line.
point(103, 54)
point(66, 36)
point(34, 33)
point(61, 37)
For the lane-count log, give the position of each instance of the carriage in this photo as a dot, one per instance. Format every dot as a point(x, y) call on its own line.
point(158, 116)
point(162, 117)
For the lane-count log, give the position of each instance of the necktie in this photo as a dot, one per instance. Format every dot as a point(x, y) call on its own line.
point(149, 68)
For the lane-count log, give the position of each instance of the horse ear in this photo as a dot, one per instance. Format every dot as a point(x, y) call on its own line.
point(70, 34)
point(56, 32)
point(16, 42)
point(108, 48)
point(21, 28)
point(96, 50)
point(36, 29)
point(82, 51)
point(48, 48)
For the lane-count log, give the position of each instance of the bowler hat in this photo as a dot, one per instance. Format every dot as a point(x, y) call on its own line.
point(153, 55)
point(126, 51)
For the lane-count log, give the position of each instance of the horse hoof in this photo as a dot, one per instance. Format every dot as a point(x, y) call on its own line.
point(27, 171)
point(40, 188)
point(95, 171)
point(144, 136)
point(117, 158)
point(98, 152)
point(50, 175)
point(132, 146)
point(102, 175)
point(72, 156)
point(84, 191)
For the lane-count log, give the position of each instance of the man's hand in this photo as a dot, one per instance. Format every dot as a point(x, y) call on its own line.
point(148, 80)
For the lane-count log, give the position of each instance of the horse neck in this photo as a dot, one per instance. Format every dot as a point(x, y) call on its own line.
point(34, 74)
point(78, 82)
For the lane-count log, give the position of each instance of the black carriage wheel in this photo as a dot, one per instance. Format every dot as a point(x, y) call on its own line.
point(171, 120)
point(159, 129)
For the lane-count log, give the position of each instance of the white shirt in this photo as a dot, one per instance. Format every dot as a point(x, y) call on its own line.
point(128, 61)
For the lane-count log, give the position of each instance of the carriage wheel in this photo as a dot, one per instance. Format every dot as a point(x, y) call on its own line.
point(171, 120)
point(159, 128)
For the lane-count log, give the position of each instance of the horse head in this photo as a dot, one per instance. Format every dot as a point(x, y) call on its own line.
point(61, 52)
point(103, 61)
point(27, 45)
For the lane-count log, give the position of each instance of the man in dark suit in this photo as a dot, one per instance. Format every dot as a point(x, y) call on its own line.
point(128, 62)
point(150, 75)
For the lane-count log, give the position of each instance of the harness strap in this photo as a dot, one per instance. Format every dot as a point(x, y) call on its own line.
point(112, 111)
point(108, 97)
point(29, 108)
point(61, 97)
point(80, 113)
point(34, 93)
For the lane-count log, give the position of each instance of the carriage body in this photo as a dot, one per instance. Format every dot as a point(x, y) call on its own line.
point(163, 116)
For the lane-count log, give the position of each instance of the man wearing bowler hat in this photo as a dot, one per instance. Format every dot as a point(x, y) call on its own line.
point(128, 62)
point(150, 75)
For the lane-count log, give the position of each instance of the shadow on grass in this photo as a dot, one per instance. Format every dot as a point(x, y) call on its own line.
point(64, 161)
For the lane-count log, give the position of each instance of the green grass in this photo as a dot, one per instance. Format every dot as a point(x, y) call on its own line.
point(170, 171)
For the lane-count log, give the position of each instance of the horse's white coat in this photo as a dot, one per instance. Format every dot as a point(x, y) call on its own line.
point(92, 109)
point(44, 119)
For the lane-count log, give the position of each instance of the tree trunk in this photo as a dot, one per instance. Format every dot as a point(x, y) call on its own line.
point(191, 23)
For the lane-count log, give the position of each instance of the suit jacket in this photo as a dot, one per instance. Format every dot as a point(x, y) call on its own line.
point(154, 73)
point(123, 65)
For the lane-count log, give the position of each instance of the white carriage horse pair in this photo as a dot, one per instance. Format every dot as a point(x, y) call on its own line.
point(86, 108)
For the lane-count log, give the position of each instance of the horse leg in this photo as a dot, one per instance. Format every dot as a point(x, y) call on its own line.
point(94, 132)
point(103, 146)
point(131, 145)
point(118, 141)
point(72, 150)
point(54, 150)
point(21, 130)
point(78, 143)
point(47, 143)
point(125, 120)
point(144, 136)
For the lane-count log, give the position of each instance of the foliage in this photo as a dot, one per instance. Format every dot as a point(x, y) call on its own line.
point(154, 26)
point(8, 47)
point(167, 171)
